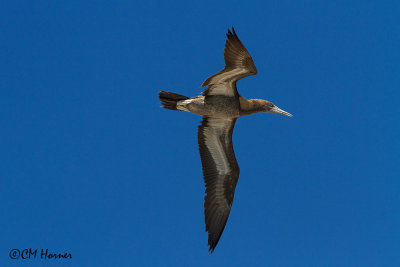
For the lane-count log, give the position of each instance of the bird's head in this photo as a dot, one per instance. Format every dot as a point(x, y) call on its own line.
point(271, 108)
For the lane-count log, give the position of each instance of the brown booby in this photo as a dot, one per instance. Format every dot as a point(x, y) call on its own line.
point(220, 105)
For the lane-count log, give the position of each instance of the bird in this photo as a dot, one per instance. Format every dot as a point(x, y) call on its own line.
point(220, 105)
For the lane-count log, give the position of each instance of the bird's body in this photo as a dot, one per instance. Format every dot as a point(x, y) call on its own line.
point(220, 105)
point(216, 106)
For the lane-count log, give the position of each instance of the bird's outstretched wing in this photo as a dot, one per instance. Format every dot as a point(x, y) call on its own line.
point(238, 64)
point(221, 173)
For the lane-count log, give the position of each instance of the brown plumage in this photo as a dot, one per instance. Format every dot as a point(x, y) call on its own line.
point(220, 105)
point(220, 189)
point(169, 100)
point(238, 64)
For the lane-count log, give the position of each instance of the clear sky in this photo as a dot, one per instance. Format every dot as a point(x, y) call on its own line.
point(91, 165)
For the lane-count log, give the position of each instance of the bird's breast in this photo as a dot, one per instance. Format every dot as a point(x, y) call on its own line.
point(215, 106)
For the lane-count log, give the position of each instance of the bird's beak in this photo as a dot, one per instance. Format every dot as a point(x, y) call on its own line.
point(280, 111)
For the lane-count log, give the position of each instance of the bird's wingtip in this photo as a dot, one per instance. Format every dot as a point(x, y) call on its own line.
point(211, 249)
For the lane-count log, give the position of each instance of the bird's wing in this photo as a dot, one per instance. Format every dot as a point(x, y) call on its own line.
point(221, 173)
point(238, 64)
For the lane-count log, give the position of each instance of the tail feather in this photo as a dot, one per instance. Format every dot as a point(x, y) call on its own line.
point(169, 100)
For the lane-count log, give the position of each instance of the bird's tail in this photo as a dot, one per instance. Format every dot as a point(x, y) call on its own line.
point(169, 100)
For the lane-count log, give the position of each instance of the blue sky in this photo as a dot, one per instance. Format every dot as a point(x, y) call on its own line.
point(92, 166)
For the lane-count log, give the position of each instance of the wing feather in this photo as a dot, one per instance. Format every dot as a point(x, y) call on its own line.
point(238, 64)
point(221, 173)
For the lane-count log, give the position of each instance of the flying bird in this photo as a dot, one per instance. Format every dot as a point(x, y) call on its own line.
point(220, 105)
